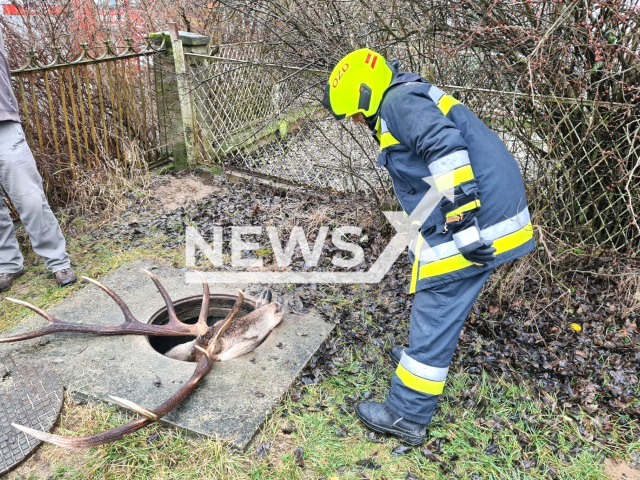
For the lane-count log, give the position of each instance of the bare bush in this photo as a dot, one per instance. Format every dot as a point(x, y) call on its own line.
point(559, 81)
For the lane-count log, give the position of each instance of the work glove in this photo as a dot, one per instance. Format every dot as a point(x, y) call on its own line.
point(472, 246)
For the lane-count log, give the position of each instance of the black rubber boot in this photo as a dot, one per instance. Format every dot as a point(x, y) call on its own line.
point(379, 418)
point(395, 353)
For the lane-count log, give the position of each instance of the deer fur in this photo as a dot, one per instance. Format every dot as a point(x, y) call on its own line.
point(242, 336)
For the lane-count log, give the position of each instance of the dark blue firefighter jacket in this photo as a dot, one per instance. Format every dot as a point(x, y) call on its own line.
point(425, 132)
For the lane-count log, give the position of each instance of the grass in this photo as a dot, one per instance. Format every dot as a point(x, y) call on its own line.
point(535, 438)
point(335, 444)
point(89, 258)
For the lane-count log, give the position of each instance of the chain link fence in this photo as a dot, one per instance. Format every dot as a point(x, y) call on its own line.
point(580, 160)
point(267, 119)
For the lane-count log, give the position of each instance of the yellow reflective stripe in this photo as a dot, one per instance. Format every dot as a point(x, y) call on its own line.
point(453, 178)
point(464, 208)
point(378, 129)
point(417, 383)
point(446, 102)
point(458, 262)
point(386, 140)
point(416, 264)
point(446, 265)
point(513, 240)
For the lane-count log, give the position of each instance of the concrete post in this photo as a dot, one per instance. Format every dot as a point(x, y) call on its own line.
point(175, 94)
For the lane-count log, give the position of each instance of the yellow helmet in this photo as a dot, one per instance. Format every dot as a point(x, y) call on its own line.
point(357, 84)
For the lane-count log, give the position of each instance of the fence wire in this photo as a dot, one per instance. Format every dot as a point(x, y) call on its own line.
point(580, 159)
point(268, 120)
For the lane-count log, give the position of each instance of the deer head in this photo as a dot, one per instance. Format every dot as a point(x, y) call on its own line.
point(224, 340)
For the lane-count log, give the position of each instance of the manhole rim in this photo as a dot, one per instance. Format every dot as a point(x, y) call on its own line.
point(194, 298)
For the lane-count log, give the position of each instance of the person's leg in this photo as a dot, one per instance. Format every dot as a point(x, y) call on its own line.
point(437, 317)
point(10, 257)
point(22, 182)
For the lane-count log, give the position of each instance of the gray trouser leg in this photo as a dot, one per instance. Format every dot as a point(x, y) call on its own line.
point(437, 316)
point(22, 182)
point(10, 256)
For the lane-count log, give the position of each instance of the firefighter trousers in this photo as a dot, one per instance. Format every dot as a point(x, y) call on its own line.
point(437, 316)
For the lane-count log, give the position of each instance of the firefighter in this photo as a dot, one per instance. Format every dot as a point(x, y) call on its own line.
point(480, 222)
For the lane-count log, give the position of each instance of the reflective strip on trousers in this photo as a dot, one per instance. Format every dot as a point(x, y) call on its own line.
point(419, 384)
point(420, 377)
point(435, 374)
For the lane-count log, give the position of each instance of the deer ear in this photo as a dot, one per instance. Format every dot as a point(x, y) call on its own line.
point(265, 298)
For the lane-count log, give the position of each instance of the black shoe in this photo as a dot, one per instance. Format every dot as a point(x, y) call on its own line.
point(395, 354)
point(7, 279)
point(378, 417)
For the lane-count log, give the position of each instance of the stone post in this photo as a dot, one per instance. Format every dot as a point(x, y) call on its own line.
point(175, 95)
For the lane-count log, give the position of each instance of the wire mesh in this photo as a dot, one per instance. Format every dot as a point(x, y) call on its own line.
point(268, 120)
point(580, 161)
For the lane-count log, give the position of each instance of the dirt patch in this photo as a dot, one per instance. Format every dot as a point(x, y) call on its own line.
point(179, 191)
point(619, 470)
point(35, 467)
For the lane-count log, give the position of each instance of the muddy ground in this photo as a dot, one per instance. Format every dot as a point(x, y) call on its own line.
point(524, 326)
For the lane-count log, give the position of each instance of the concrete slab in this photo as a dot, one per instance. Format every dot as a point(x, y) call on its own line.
point(230, 404)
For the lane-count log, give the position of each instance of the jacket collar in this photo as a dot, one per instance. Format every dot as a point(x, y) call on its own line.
point(398, 78)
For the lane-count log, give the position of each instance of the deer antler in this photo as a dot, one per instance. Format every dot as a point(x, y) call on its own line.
point(205, 364)
point(131, 326)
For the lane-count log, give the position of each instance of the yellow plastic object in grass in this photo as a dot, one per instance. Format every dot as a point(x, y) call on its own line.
point(576, 327)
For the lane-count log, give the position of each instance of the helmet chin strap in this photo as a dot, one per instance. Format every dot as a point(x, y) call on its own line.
point(371, 121)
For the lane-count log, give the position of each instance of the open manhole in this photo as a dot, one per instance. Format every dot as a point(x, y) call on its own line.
point(188, 310)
